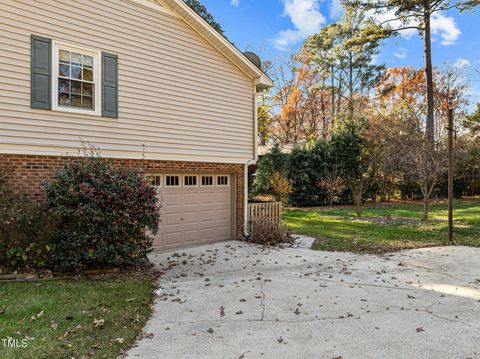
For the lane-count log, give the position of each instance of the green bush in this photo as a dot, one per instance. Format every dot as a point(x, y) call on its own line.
point(25, 231)
point(104, 214)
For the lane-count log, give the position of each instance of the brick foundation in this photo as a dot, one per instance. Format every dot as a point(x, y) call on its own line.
point(29, 173)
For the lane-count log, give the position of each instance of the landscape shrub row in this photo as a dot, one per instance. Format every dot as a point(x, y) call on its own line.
point(95, 216)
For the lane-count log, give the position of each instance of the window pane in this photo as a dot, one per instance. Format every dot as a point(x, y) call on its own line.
point(87, 89)
point(76, 87)
point(64, 71)
point(64, 56)
point(75, 81)
point(63, 85)
point(76, 100)
point(75, 72)
point(76, 59)
point(172, 181)
point(87, 61)
point(87, 102)
point(87, 75)
point(64, 99)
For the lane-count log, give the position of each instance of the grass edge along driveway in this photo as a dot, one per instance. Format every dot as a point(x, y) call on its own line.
point(385, 227)
point(77, 318)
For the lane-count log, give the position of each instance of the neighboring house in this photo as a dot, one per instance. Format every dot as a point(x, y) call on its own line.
point(148, 82)
point(262, 151)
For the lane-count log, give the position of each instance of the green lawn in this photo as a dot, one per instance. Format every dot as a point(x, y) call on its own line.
point(63, 319)
point(386, 227)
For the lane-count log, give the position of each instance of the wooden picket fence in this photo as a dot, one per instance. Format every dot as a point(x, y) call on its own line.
point(271, 211)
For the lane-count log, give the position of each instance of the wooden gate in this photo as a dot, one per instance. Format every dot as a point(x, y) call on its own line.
point(271, 211)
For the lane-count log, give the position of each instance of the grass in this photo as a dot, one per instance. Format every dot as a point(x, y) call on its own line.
point(386, 227)
point(57, 317)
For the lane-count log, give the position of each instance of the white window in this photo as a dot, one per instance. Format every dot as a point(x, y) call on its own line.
point(189, 181)
point(172, 181)
point(76, 79)
point(222, 181)
point(155, 181)
point(207, 181)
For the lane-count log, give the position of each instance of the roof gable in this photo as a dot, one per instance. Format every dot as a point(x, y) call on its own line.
point(224, 46)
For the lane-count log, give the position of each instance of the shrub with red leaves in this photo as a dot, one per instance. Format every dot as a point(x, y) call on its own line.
point(105, 215)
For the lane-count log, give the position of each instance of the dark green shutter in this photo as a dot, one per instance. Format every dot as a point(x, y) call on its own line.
point(109, 85)
point(41, 73)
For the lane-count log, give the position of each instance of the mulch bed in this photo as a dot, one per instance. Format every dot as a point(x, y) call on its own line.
point(146, 271)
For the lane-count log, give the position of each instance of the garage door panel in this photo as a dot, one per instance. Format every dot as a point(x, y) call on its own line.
point(191, 215)
point(170, 219)
point(221, 215)
point(206, 215)
point(173, 238)
point(170, 199)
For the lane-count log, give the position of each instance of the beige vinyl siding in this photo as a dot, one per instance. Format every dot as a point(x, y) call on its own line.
point(179, 97)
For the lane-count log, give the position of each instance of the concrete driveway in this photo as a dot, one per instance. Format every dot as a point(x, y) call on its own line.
point(235, 300)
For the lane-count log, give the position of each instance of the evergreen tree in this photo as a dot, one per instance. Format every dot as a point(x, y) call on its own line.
point(201, 10)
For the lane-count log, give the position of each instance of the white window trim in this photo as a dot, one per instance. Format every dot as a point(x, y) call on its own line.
point(153, 175)
point(207, 186)
point(222, 185)
point(97, 66)
point(190, 186)
point(180, 178)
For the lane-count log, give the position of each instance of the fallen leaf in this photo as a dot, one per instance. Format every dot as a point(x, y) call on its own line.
point(420, 329)
point(98, 323)
point(118, 340)
point(53, 325)
point(38, 315)
point(148, 335)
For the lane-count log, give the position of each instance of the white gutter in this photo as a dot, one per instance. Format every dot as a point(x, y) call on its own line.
point(252, 161)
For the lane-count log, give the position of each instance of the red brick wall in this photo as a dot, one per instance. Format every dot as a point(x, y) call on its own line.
point(29, 173)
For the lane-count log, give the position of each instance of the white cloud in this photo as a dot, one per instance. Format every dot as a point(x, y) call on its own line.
point(389, 18)
point(235, 3)
point(461, 63)
point(306, 19)
point(401, 53)
point(441, 25)
point(336, 9)
point(446, 27)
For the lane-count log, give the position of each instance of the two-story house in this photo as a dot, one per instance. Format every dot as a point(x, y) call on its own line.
point(147, 81)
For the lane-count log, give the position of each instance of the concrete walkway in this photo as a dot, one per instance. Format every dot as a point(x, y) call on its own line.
point(235, 300)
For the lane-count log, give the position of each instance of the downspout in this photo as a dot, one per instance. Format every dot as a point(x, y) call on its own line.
point(252, 161)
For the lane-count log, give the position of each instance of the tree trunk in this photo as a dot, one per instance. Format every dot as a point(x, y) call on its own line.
point(350, 88)
point(333, 93)
point(357, 198)
point(357, 190)
point(426, 202)
point(429, 128)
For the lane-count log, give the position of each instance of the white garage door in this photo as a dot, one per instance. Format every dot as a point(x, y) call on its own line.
point(195, 209)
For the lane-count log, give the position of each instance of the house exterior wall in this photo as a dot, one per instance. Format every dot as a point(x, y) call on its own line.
point(180, 99)
point(29, 173)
